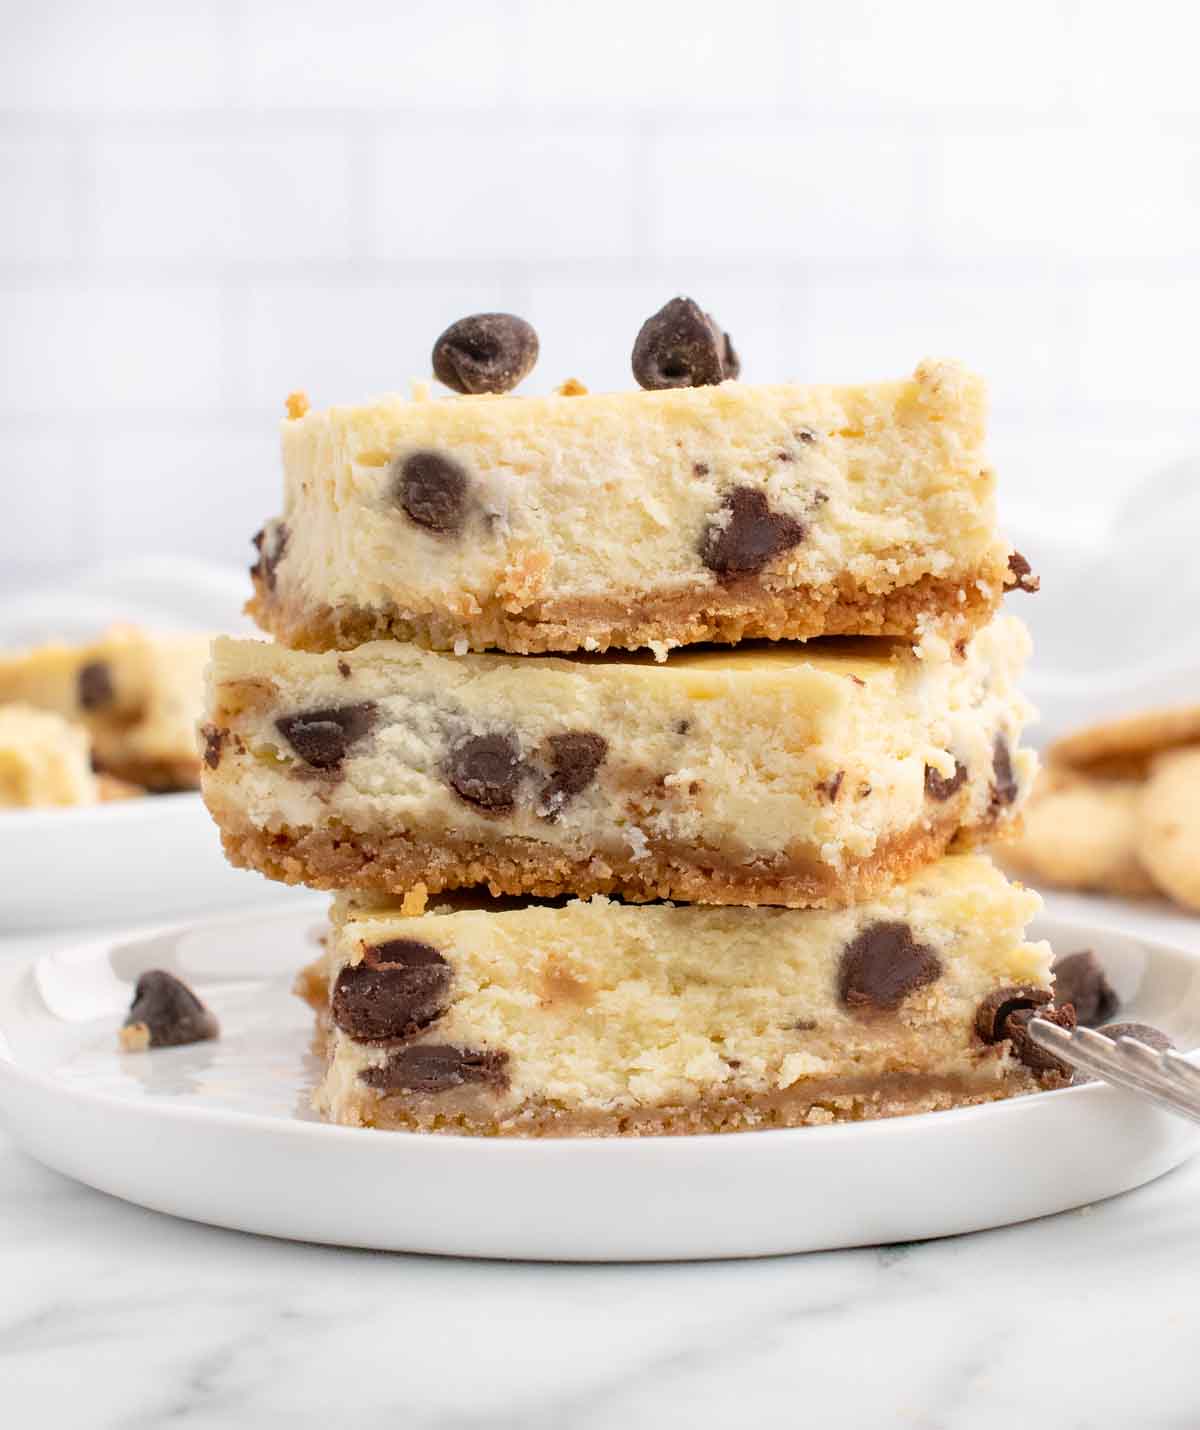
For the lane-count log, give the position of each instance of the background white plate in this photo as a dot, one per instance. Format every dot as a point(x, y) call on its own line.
point(149, 857)
point(221, 1132)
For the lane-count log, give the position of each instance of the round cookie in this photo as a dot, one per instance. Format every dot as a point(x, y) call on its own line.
point(1126, 748)
point(1169, 825)
point(1081, 833)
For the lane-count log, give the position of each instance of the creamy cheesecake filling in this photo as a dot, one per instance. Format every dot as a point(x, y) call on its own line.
point(138, 695)
point(788, 761)
point(44, 760)
point(554, 521)
point(601, 1016)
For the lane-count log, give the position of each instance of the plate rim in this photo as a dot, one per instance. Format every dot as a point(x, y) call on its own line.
point(104, 812)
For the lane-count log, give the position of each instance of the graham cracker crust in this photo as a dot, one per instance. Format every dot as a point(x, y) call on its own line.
point(745, 609)
point(802, 1105)
point(335, 857)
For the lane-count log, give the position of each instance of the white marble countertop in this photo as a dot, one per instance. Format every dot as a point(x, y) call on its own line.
point(111, 1316)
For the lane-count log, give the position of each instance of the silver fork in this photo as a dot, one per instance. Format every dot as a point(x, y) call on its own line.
point(1165, 1078)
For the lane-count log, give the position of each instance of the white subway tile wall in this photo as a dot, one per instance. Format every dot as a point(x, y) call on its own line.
point(207, 204)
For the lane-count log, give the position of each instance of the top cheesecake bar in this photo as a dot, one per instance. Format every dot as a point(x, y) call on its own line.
point(643, 518)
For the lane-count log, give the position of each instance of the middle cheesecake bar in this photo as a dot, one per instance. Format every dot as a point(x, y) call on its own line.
point(802, 775)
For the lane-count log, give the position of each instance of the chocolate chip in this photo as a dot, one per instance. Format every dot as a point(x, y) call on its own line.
point(941, 787)
point(732, 363)
point(487, 352)
point(165, 1013)
point(399, 988)
point(1153, 1037)
point(1035, 1057)
point(681, 346)
point(700, 469)
point(751, 536)
point(486, 770)
point(1004, 781)
point(682, 726)
point(343, 669)
point(271, 544)
point(574, 760)
point(94, 685)
point(432, 489)
point(883, 965)
point(832, 787)
point(214, 740)
point(1081, 981)
point(437, 1067)
point(1022, 575)
point(323, 738)
point(996, 1008)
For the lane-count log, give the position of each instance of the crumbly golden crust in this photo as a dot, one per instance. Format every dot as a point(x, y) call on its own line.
point(746, 609)
point(340, 858)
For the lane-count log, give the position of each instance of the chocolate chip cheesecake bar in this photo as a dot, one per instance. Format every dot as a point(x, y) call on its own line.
point(658, 518)
point(598, 1017)
point(771, 774)
point(138, 696)
point(44, 760)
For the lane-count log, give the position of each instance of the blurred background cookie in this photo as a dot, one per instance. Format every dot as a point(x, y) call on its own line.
point(1080, 833)
point(1169, 825)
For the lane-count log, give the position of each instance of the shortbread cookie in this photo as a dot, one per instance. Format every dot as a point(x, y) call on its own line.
point(138, 696)
point(658, 519)
point(1169, 825)
point(44, 760)
point(779, 774)
point(1080, 833)
point(600, 1018)
point(1126, 748)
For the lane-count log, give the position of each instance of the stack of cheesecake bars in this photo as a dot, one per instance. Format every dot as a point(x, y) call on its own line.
point(641, 737)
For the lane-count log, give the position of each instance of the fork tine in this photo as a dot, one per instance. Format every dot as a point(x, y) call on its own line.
point(1166, 1079)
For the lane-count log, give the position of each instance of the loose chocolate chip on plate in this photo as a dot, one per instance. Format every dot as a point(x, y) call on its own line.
point(165, 1013)
point(271, 544)
point(1153, 1037)
point(323, 738)
point(487, 352)
point(399, 988)
point(681, 346)
point(574, 759)
point(486, 770)
point(1022, 575)
point(432, 490)
point(941, 787)
point(750, 536)
point(994, 1010)
point(1033, 1055)
point(1081, 981)
point(214, 741)
point(1004, 781)
point(883, 965)
point(95, 686)
point(437, 1067)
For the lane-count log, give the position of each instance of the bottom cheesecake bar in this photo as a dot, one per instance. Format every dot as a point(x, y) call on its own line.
point(591, 1018)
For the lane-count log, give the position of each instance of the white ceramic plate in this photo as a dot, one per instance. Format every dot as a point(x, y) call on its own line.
point(221, 1132)
point(149, 857)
